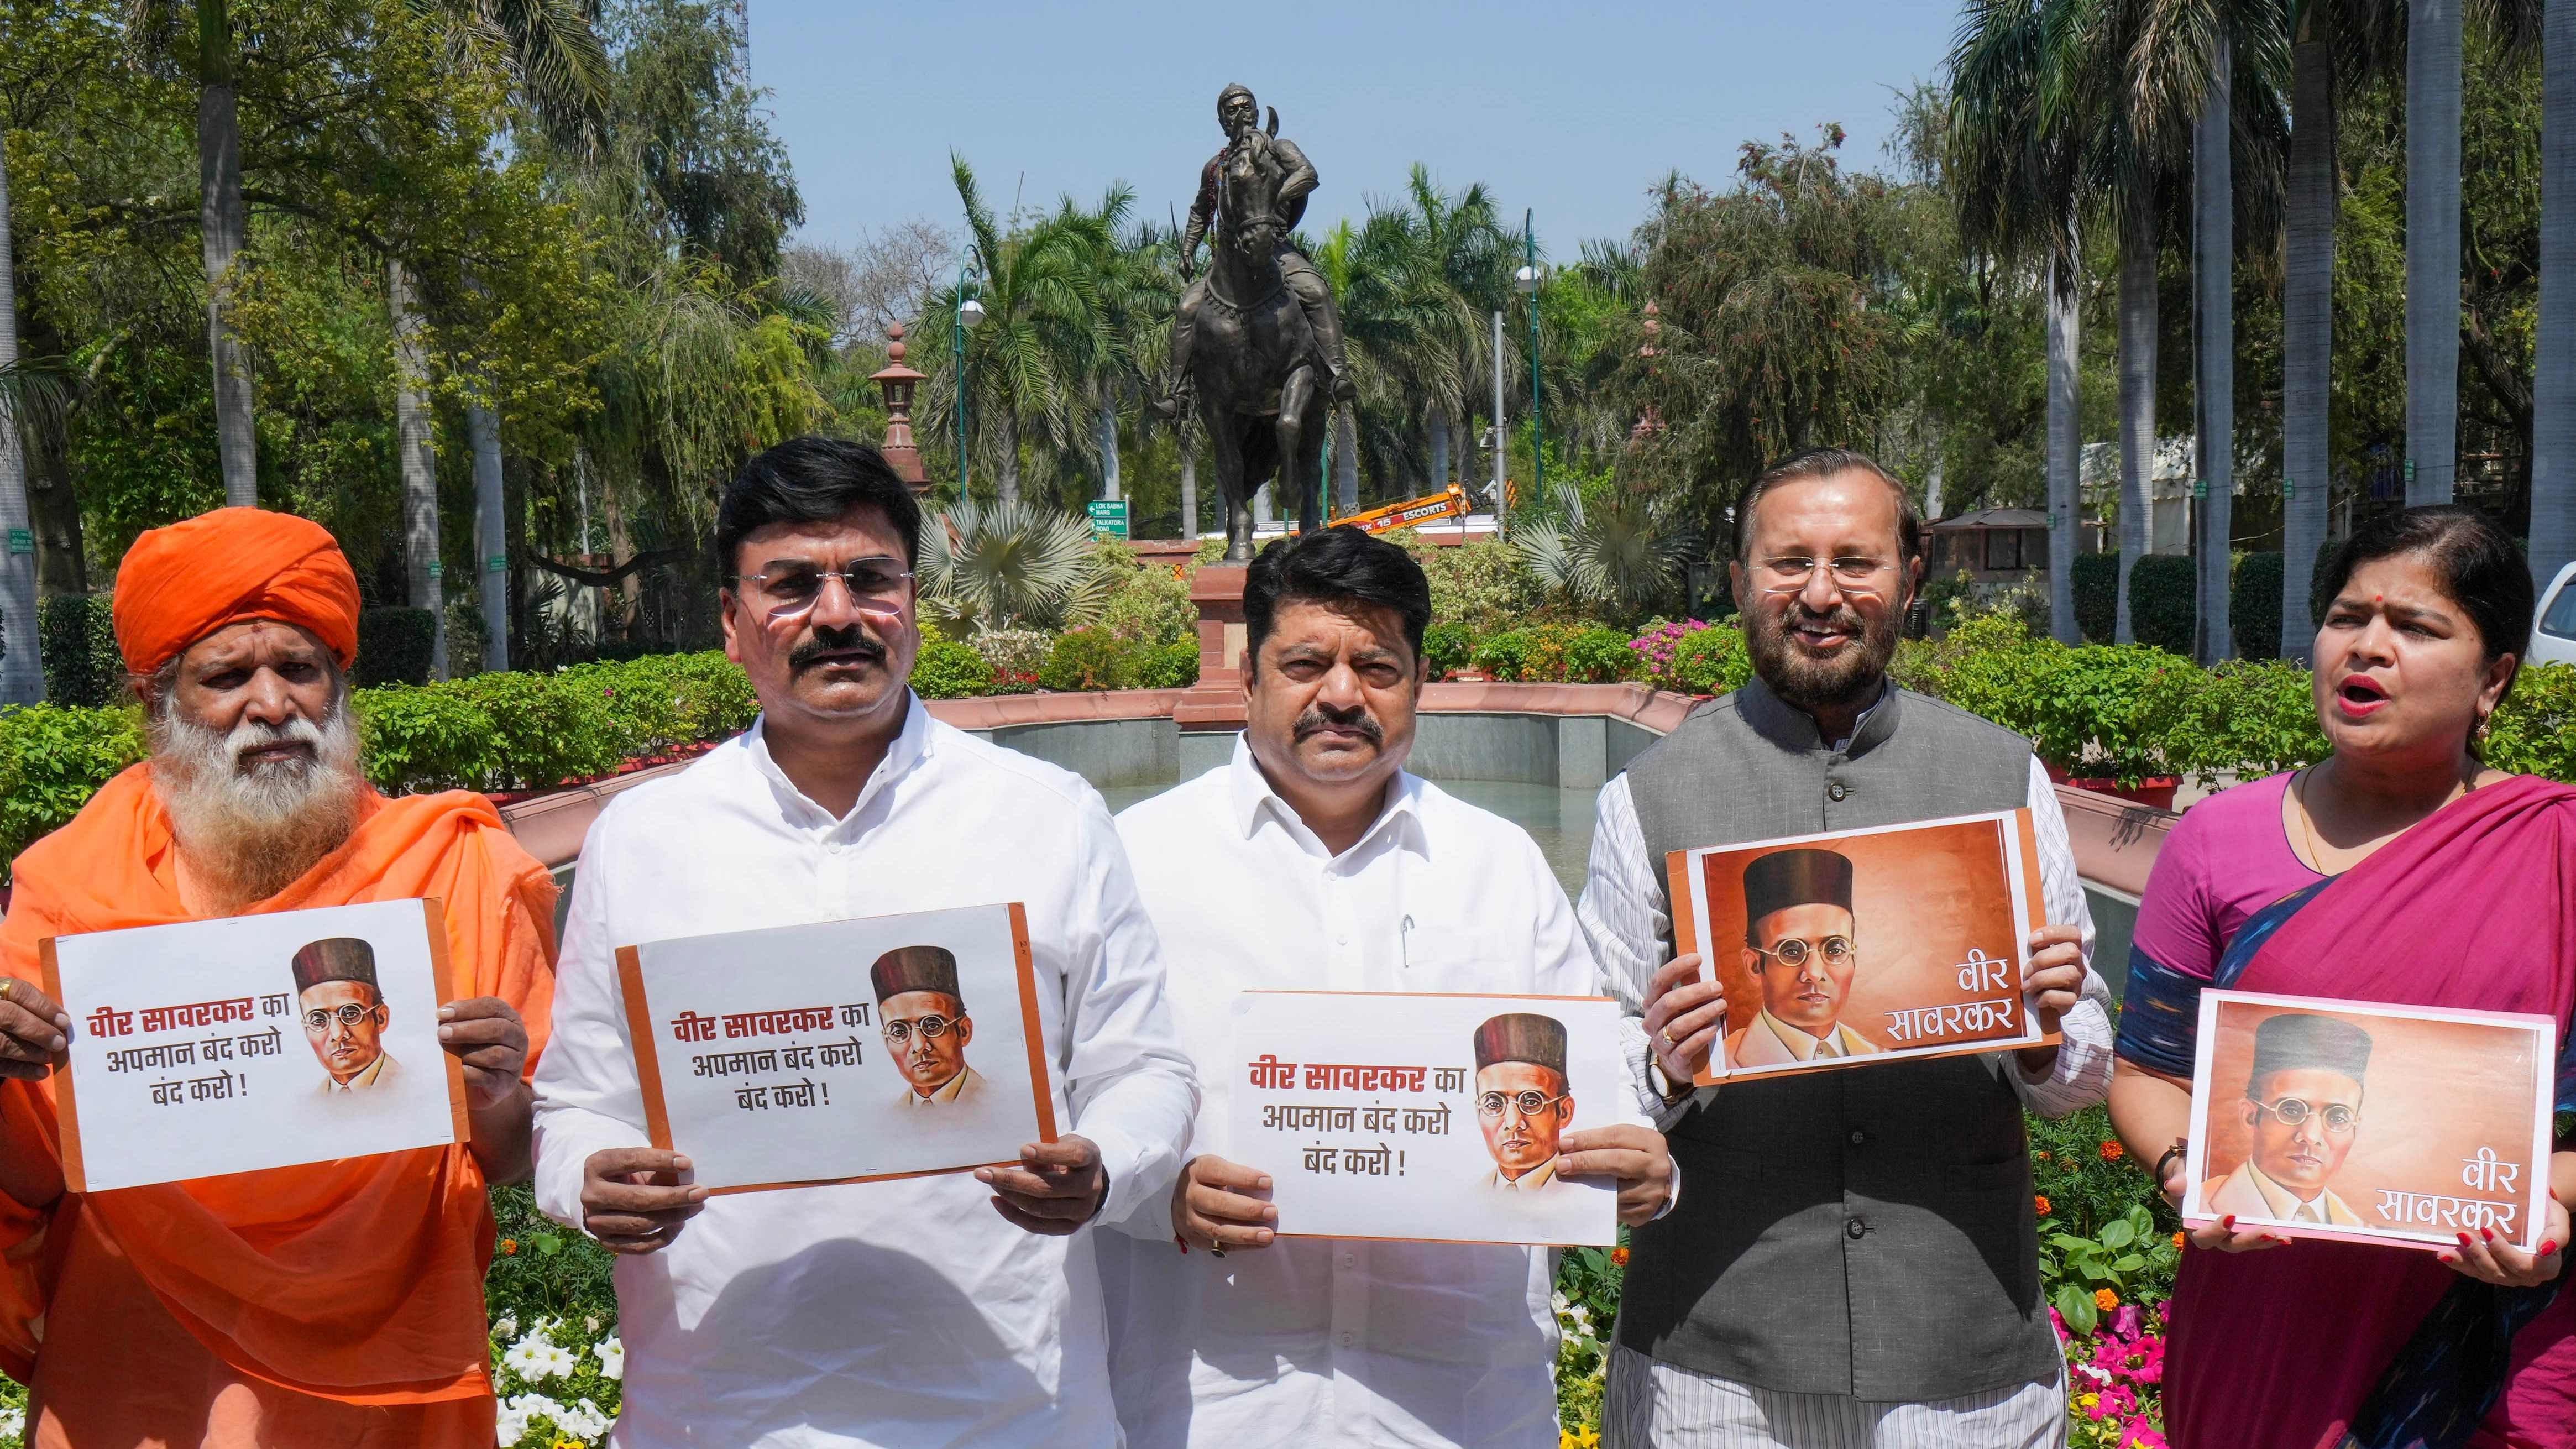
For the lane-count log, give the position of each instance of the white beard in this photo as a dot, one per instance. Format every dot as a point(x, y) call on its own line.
point(250, 830)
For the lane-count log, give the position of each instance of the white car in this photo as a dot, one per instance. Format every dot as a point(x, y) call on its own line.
point(2553, 629)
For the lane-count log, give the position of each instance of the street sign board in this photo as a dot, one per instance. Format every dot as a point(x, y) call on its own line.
point(1108, 517)
point(22, 540)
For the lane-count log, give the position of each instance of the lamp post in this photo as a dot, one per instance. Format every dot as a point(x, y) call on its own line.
point(1526, 281)
point(897, 381)
point(970, 314)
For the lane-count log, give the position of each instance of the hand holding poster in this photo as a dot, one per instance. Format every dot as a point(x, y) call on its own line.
point(884, 1047)
point(253, 1042)
point(1379, 1115)
point(2375, 1124)
point(1865, 946)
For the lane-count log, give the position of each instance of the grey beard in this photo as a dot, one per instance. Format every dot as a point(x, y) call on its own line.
point(250, 832)
point(1808, 684)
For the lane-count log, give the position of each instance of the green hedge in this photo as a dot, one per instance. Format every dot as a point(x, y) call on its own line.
point(2096, 581)
point(76, 643)
point(2164, 602)
point(2254, 606)
point(1556, 654)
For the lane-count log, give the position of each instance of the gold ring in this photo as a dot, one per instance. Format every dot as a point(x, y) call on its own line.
point(1666, 1033)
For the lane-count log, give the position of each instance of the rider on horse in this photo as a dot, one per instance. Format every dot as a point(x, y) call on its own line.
point(1248, 144)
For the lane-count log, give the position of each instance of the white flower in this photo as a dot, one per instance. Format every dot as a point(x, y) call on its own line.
point(593, 1322)
point(516, 1412)
point(507, 1327)
point(537, 1358)
point(582, 1420)
point(612, 1357)
point(13, 1419)
point(1559, 1301)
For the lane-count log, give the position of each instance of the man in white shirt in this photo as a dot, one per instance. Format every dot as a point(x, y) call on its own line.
point(1312, 861)
point(934, 1310)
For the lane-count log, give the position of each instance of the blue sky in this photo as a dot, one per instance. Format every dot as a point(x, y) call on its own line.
point(1573, 111)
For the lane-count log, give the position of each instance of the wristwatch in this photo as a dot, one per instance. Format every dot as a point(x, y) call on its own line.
point(1665, 1087)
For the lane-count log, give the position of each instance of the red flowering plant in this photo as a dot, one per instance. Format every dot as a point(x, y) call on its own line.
point(2115, 1380)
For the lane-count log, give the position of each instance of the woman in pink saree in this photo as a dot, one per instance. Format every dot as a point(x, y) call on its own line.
point(2400, 869)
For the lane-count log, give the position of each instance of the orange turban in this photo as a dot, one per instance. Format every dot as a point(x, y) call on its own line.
point(181, 583)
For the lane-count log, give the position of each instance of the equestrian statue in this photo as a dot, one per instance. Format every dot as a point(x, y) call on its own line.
point(1271, 365)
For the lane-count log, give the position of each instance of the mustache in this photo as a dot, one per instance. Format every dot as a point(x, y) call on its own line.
point(850, 640)
point(1841, 616)
point(1319, 718)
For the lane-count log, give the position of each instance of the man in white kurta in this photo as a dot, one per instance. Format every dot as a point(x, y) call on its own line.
point(1334, 1342)
point(926, 1311)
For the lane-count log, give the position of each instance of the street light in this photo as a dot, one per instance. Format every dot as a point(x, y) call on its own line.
point(1526, 282)
point(970, 314)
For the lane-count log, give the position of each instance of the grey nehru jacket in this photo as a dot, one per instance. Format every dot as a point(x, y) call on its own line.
point(1866, 1231)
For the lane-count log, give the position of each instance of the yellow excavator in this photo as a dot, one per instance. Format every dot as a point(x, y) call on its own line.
point(1449, 503)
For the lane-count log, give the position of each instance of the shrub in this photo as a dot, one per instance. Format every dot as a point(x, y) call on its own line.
point(52, 759)
point(2164, 606)
point(2535, 731)
point(1169, 666)
point(1483, 584)
point(394, 646)
point(1710, 661)
point(1016, 655)
point(712, 694)
point(550, 728)
point(1504, 656)
point(2254, 606)
point(76, 645)
point(1989, 666)
point(414, 738)
point(1448, 646)
point(1599, 656)
point(2096, 579)
point(1146, 604)
point(947, 669)
point(2091, 1190)
point(1088, 658)
point(2087, 711)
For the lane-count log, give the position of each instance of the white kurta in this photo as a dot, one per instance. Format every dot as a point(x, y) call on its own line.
point(904, 1313)
point(1334, 1342)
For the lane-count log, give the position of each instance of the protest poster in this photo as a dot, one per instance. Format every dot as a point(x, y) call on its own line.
point(891, 1046)
point(251, 1042)
point(1861, 946)
point(1395, 1115)
point(2370, 1124)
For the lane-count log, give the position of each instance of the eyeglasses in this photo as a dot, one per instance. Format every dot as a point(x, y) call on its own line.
point(1530, 1103)
point(347, 1013)
point(1854, 575)
point(792, 590)
point(933, 1027)
point(2339, 1118)
point(1793, 952)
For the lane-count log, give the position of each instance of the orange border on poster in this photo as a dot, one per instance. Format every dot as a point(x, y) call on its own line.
point(1686, 941)
point(442, 972)
point(657, 1116)
point(1462, 1242)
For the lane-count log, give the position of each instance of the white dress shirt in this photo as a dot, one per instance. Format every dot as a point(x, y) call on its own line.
point(903, 1313)
point(1322, 1341)
point(1623, 914)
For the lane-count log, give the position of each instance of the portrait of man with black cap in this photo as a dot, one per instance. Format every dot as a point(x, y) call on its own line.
point(1523, 1101)
point(926, 1028)
point(1801, 950)
point(2303, 1107)
point(344, 1014)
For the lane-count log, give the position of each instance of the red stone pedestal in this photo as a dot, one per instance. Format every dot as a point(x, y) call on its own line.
point(1215, 704)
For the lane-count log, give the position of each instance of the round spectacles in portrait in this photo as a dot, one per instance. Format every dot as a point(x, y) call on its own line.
point(347, 1013)
point(933, 1027)
point(1793, 952)
point(1529, 1103)
point(1854, 575)
point(2292, 1111)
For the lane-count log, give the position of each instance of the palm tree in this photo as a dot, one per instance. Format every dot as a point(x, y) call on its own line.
point(2214, 301)
point(22, 676)
point(2432, 248)
point(2553, 418)
point(1041, 332)
point(2013, 176)
point(2307, 317)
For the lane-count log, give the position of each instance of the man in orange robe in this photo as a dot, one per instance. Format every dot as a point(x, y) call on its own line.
point(324, 1307)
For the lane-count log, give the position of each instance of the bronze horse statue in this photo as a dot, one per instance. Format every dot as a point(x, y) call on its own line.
point(1259, 372)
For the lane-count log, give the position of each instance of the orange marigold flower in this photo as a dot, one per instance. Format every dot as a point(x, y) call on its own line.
point(2178, 1242)
point(2105, 1299)
point(1619, 1257)
point(2040, 1201)
point(509, 1247)
point(2112, 1152)
point(2042, 1154)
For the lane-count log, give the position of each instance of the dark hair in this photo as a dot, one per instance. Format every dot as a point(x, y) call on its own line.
point(812, 480)
point(1824, 463)
point(1335, 566)
point(2477, 564)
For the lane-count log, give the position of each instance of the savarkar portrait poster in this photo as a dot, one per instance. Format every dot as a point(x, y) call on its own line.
point(884, 1047)
point(1865, 946)
point(1387, 1115)
point(253, 1042)
point(2368, 1123)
